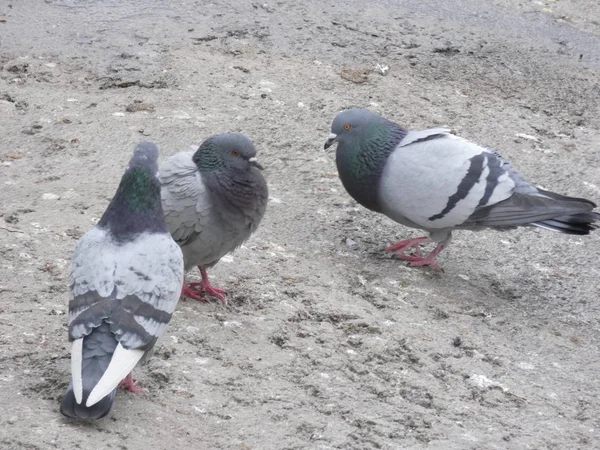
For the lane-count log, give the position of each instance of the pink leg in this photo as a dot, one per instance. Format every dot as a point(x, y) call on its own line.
point(190, 291)
point(131, 385)
point(429, 260)
point(198, 290)
point(418, 260)
point(402, 246)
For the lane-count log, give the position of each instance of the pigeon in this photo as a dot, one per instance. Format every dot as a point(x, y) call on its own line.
point(125, 280)
point(214, 199)
point(439, 182)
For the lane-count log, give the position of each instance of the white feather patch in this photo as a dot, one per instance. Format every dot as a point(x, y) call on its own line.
point(151, 326)
point(76, 357)
point(504, 189)
point(122, 362)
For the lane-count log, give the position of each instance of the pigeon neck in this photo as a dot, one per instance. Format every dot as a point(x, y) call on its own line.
point(136, 207)
point(238, 189)
point(207, 159)
point(360, 162)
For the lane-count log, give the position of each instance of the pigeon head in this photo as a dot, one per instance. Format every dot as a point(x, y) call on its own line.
point(145, 156)
point(365, 140)
point(226, 151)
point(351, 125)
point(136, 206)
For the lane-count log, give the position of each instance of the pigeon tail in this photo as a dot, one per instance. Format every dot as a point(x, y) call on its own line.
point(545, 210)
point(578, 224)
point(96, 353)
point(70, 408)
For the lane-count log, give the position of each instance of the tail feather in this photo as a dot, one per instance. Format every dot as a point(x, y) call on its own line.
point(579, 224)
point(70, 408)
point(565, 198)
point(96, 352)
point(122, 362)
point(548, 210)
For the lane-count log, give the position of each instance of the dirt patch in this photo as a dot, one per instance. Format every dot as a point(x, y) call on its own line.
point(328, 342)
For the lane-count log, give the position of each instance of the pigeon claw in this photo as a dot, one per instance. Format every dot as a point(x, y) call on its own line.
point(217, 293)
point(402, 246)
point(131, 385)
point(199, 291)
point(417, 260)
point(189, 291)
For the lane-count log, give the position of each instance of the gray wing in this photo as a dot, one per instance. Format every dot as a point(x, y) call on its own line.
point(134, 286)
point(436, 180)
point(205, 230)
point(185, 199)
point(530, 204)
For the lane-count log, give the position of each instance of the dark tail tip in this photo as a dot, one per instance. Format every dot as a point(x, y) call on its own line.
point(578, 224)
point(70, 408)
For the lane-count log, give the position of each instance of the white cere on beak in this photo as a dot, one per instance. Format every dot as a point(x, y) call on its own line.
point(253, 159)
point(332, 136)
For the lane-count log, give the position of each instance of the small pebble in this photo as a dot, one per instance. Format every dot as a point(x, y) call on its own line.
point(351, 244)
point(50, 196)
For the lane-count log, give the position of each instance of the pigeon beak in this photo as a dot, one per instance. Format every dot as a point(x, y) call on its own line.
point(330, 141)
point(254, 162)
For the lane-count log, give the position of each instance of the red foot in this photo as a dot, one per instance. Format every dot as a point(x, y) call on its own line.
point(197, 291)
point(418, 260)
point(402, 246)
point(194, 294)
point(206, 287)
point(131, 385)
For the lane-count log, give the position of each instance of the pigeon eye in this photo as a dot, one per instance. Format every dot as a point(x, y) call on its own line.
point(235, 153)
point(347, 127)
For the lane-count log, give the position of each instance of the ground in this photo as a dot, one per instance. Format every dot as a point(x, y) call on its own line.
point(327, 341)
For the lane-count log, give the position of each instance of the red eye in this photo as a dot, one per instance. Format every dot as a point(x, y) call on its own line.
point(347, 127)
point(235, 153)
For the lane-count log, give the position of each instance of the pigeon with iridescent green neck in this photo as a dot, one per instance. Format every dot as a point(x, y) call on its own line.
point(125, 280)
point(438, 182)
point(214, 198)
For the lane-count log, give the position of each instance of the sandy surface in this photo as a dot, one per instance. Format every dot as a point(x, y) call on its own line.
point(328, 342)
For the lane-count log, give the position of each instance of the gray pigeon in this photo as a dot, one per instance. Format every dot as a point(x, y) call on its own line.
point(125, 280)
point(439, 182)
point(214, 199)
